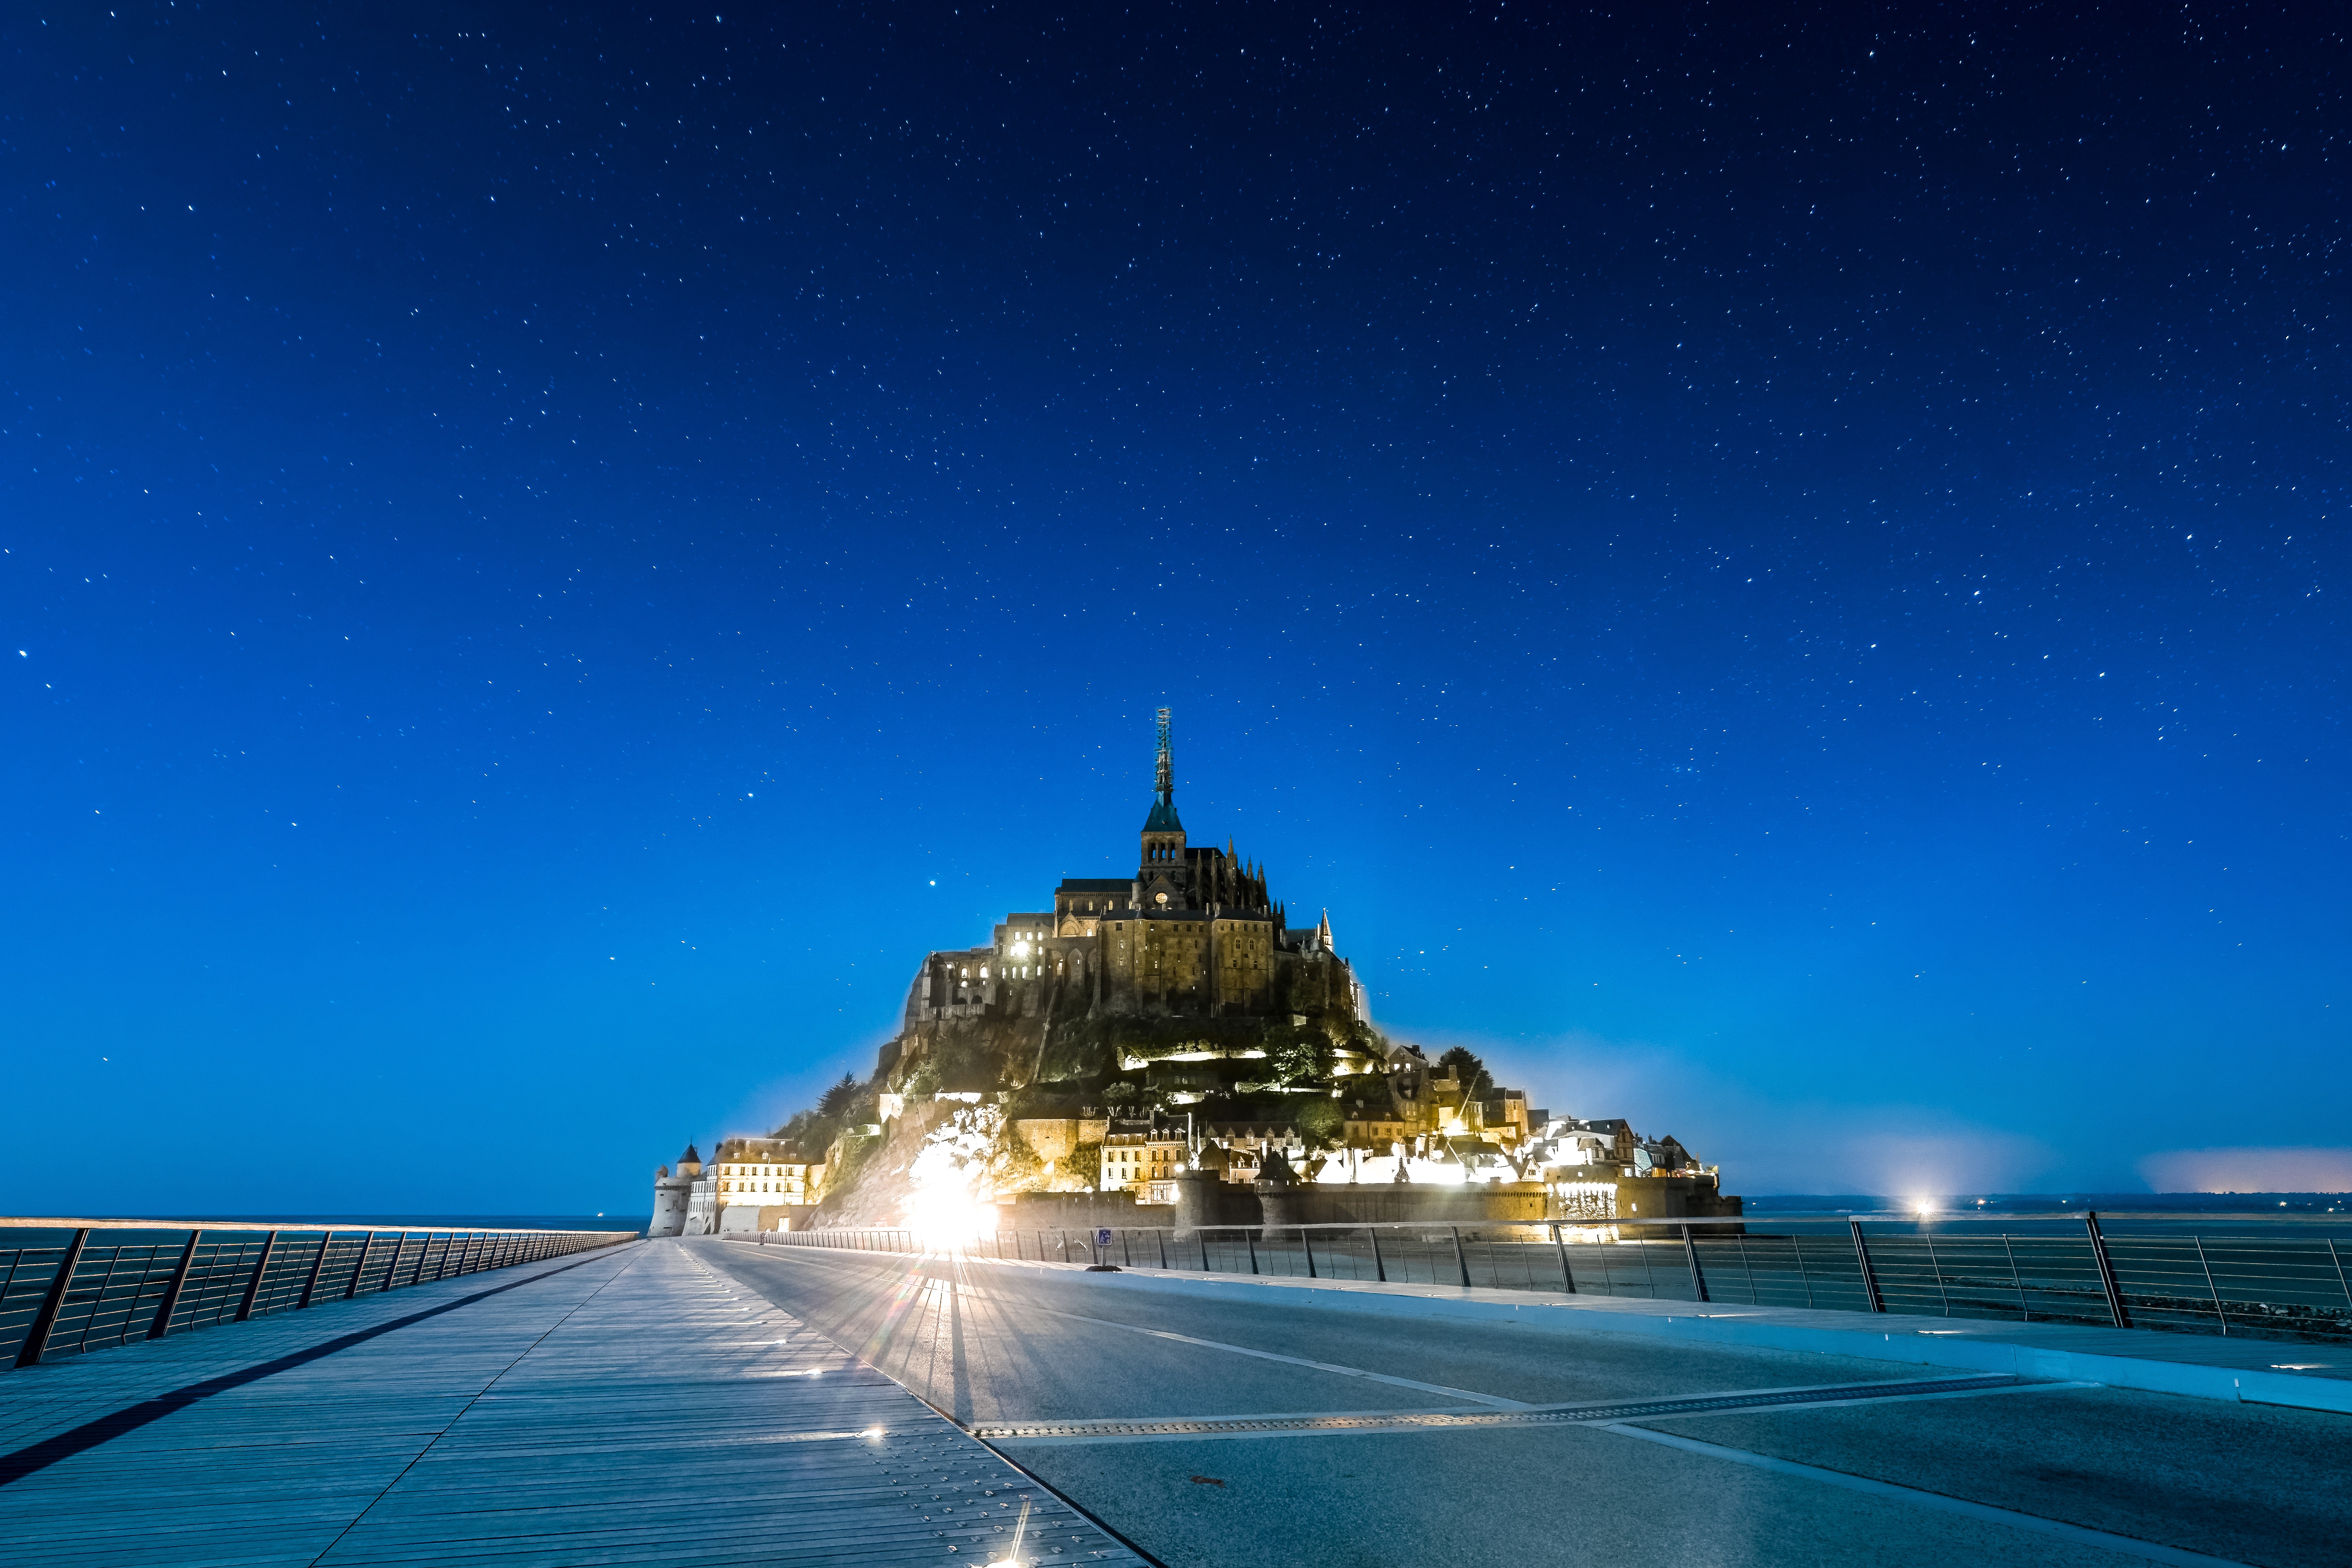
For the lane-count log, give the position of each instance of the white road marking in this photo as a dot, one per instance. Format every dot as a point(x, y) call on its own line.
point(1496, 1402)
point(1890, 1399)
point(1492, 1401)
point(1367, 1423)
point(2124, 1545)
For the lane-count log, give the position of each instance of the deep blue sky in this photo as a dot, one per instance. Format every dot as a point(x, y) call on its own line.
point(1778, 573)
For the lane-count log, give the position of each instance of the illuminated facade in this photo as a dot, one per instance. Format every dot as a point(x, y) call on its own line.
point(757, 1183)
point(1194, 931)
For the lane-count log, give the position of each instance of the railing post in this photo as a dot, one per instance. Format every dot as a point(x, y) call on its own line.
point(1202, 1235)
point(97, 1303)
point(163, 1324)
point(1379, 1266)
point(1308, 1247)
point(2338, 1258)
point(1460, 1259)
point(311, 1281)
point(1163, 1245)
point(1251, 1236)
point(1869, 1274)
point(1567, 1279)
point(1690, 1252)
point(36, 1338)
point(352, 1286)
point(2106, 1269)
point(253, 1286)
point(2199, 1242)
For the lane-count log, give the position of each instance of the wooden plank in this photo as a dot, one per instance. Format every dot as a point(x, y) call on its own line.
point(636, 1409)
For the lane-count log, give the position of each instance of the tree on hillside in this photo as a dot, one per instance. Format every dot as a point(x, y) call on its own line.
point(1304, 1056)
point(1320, 1124)
point(835, 1103)
point(1478, 1082)
point(810, 1132)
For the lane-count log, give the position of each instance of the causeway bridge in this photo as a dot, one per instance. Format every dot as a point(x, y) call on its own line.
point(551, 1397)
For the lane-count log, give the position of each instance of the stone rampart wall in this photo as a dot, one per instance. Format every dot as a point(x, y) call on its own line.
point(1402, 1204)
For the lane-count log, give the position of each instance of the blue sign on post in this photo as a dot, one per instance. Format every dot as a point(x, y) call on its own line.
point(1102, 1236)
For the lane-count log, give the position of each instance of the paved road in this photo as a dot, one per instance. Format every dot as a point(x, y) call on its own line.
point(2015, 1476)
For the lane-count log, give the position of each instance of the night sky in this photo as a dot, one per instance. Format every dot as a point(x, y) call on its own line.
point(1775, 572)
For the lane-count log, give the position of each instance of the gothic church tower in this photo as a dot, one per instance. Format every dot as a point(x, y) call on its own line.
point(1164, 871)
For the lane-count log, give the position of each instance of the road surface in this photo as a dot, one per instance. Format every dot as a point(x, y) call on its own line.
point(1310, 1462)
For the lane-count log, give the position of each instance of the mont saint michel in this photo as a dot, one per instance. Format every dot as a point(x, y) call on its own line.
point(1171, 1046)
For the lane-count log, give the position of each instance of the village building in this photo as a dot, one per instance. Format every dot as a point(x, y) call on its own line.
point(1142, 1156)
point(761, 1181)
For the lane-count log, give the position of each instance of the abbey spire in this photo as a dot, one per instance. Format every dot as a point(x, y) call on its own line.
point(1164, 830)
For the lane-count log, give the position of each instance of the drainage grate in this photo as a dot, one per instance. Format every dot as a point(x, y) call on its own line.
point(1548, 1415)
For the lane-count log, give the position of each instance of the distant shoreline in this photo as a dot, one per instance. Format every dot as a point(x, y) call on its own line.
point(1956, 1205)
point(341, 1221)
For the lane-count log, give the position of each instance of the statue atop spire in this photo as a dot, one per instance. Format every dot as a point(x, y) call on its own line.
point(1166, 780)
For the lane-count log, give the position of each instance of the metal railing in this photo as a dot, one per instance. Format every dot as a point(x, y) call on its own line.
point(2292, 1286)
point(97, 1287)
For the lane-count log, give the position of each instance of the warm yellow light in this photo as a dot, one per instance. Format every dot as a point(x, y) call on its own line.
point(946, 1217)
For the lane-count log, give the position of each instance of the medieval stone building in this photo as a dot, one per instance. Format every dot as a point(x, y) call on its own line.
point(1195, 931)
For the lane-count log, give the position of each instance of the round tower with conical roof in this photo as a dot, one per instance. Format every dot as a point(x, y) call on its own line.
point(672, 1194)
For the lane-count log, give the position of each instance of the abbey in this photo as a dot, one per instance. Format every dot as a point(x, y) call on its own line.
point(1193, 932)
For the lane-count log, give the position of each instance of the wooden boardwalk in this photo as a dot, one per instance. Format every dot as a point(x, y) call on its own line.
point(634, 1408)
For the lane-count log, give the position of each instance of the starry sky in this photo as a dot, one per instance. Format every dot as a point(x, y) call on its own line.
point(1774, 568)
